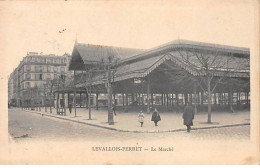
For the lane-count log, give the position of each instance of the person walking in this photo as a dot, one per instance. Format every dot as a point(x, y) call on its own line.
point(188, 116)
point(156, 117)
point(141, 118)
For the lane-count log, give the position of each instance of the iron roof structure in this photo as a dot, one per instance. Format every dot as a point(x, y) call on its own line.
point(144, 62)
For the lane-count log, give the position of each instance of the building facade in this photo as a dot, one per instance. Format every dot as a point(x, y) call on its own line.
point(173, 74)
point(29, 78)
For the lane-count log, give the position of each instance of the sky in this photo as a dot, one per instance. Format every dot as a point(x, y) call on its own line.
point(34, 26)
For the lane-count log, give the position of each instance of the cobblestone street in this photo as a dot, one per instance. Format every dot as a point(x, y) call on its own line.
point(40, 127)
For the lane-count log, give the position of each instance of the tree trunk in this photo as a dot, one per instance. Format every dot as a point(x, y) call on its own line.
point(109, 97)
point(114, 98)
point(89, 93)
point(201, 97)
point(167, 99)
point(172, 100)
point(80, 100)
point(177, 98)
point(230, 100)
point(126, 99)
point(195, 98)
point(57, 102)
point(123, 98)
point(152, 99)
point(223, 98)
point(239, 98)
point(162, 99)
point(87, 98)
point(148, 96)
point(51, 99)
point(96, 101)
point(45, 107)
point(215, 98)
point(209, 102)
point(64, 102)
point(89, 103)
point(247, 98)
point(110, 112)
point(142, 99)
point(139, 99)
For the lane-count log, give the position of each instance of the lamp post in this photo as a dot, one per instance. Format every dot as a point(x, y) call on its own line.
point(108, 85)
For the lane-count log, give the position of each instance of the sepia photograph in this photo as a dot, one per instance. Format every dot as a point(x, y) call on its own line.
point(130, 82)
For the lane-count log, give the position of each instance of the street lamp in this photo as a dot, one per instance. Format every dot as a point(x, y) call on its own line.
point(108, 84)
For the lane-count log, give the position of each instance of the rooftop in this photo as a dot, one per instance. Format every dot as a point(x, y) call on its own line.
point(95, 54)
point(187, 44)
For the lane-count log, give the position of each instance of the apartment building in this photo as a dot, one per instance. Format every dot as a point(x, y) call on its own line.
point(33, 72)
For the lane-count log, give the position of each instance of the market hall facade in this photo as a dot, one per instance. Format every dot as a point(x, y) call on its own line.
point(167, 77)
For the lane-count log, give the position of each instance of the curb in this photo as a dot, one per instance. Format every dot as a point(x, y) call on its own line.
point(119, 130)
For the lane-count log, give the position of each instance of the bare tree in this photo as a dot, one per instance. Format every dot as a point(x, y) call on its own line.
point(206, 68)
point(49, 88)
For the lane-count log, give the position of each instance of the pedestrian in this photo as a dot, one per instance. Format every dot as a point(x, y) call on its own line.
point(188, 116)
point(70, 106)
point(156, 117)
point(141, 118)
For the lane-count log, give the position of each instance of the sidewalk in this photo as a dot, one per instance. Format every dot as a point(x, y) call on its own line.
point(171, 122)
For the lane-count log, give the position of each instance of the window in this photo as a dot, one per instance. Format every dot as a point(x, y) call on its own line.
point(40, 68)
point(55, 76)
point(55, 69)
point(50, 60)
point(28, 68)
point(41, 59)
point(29, 59)
point(27, 85)
point(63, 60)
point(62, 69)
point(48, 76)
point(49, 69)
point(28, 76)
point(37, 69)
point(40, 76)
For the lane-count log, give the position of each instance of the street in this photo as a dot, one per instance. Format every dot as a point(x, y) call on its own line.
point(26, 126)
